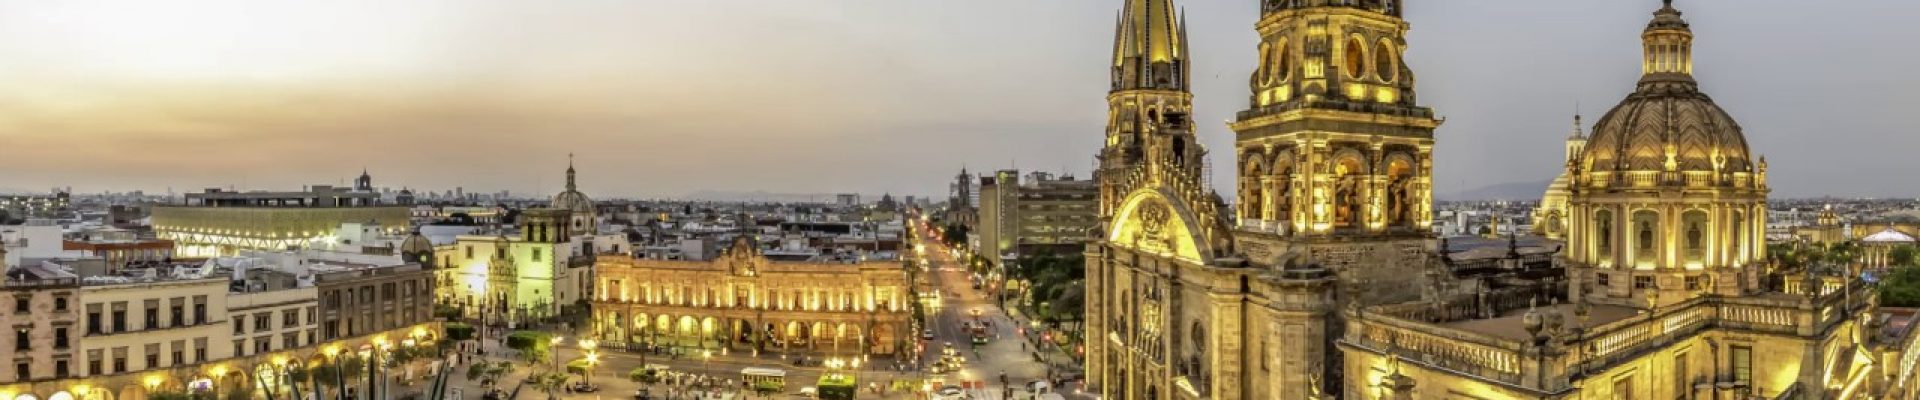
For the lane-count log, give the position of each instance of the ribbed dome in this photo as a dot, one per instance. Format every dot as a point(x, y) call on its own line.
point(572, 200)
point(1667, 129)
point(1667, 124)
point(416, 243)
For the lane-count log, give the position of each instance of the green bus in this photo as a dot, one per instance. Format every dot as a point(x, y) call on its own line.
point(838, 386)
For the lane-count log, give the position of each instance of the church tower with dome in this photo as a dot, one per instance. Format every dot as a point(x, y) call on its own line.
point(584, 219)
point(1666, 203)
point(1668, 292)
point(1550, 217)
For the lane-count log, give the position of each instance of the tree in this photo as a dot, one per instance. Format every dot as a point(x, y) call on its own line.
point(477, 370)
point(532, 345)
point(1901, 287)
point(549, 383)
point(955, 234)
point(1904, 255)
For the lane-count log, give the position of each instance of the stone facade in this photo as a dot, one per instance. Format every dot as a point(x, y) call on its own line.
point(746, 302)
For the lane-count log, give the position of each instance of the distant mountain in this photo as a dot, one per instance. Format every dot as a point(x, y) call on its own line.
point(763, 196)
point(1529, 191)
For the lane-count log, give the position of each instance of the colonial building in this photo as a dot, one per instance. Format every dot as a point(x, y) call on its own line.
point(42, 318)
point(1669, 294)
point(745, 301)
point(1334, 207)
point(205, 329)
point(532, 271)
point(1328, 284)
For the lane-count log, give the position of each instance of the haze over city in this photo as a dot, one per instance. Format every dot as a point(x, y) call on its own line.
point(846, 96)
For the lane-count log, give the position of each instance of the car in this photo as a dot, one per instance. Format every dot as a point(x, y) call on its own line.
point(809, 392)
point(976, 312)
point(951, 392)
point(927, 335)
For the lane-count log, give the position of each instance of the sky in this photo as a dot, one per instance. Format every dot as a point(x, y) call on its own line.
point(661, 98)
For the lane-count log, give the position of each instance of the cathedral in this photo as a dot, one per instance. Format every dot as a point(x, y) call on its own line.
point(1324, 280)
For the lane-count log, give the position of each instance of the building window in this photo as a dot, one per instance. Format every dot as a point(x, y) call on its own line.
point(469, 252)
point(199, 314)
point(1682, 382)
point(60, 338)
point(290, 318)
point(93, 323)
point(93, 366)
point(60, 369)
point(261, 321)
point(178, 316)
point(153, 318)
point(23, 370)
point(1601, 279)
point(1741, 358)
point(59, 304)
point(263, 344)
point(239, 324)
point(21, 341)
point(22, 304)
point(239, 347)
point(1643, 282)
point(119, 321)
point(536, 254)
point(153, 360)
point(1623, 388)
point(119, 363)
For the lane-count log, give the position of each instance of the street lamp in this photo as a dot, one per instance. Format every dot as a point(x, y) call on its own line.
point(553, 345)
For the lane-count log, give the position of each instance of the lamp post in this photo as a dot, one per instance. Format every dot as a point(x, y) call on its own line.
point(593, 358)
point(553, 346)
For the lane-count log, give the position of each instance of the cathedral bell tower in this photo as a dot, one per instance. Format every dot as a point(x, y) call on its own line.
point(1333, 144)
point(1149, 117)
point(1334, 174)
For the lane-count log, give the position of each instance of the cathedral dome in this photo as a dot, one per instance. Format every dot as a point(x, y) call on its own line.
point(416, 243)
point(1667, 130)
point(1667, 123)
point(572, 199)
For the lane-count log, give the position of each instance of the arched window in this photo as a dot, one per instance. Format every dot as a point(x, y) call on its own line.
point(1383, 62)
point(1356, 59)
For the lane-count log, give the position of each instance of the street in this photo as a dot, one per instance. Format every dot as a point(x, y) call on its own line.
point(1005, 353)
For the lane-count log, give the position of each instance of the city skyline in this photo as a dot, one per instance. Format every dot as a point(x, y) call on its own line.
point(866, 97)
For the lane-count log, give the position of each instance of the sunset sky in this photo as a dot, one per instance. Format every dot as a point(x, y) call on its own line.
point(669, 97)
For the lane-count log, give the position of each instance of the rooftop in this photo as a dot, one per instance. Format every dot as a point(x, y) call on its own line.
point(1512, 324)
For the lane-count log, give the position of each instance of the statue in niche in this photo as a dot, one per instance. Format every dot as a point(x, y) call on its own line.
point(1346, 201)
point(1398, 204)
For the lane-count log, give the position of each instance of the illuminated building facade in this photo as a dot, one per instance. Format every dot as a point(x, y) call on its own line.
point(1668, 294)
point(514, 277)
point(1550, 218)
point(1334, 210)
point(24, 206)
point(746, 302)
point(223, 223)
point(42, 312)
point(137, 335)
